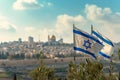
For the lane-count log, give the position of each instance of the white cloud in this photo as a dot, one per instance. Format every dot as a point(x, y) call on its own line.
point(7, 29)
point(64, 26)
point(6, 25)
point(95, 13)
point(98, 14)
point(29, 4)
point(102, 18)
point(105, 19)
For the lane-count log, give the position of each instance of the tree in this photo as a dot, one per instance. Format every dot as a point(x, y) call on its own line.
point(42, 72)
point(91, 70)
point(119, 59)
point(119, 54)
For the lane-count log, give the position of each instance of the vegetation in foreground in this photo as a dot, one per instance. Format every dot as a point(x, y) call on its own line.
point(90, 70)
point(42, 73)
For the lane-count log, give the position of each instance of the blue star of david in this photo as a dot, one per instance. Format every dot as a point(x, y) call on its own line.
point(87, 44)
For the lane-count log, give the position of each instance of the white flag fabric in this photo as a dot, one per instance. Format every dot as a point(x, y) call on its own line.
point(108, 48)
point(86, 43)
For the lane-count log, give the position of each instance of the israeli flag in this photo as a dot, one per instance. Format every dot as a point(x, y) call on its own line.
point(86, 43)
point(108, 48)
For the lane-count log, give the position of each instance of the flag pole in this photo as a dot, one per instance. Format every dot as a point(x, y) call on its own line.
point(74, 44)
point(91, 29)
point(92, 34)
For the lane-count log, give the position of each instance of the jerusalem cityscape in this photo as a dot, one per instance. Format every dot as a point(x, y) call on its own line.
point(20, 57)
point(30, 49)
point(59, 40)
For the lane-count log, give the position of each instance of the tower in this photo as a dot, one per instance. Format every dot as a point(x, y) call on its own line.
point(48, 38)
point(20, 40)
point(30, 39)
point(31, 42)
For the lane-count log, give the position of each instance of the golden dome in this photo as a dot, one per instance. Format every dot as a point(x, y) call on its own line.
point(53, 37)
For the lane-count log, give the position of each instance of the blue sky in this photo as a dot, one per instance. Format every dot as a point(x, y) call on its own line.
point(40, 18)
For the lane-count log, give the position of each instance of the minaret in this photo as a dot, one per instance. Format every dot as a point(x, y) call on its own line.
point(48, 38)
point(39, 38)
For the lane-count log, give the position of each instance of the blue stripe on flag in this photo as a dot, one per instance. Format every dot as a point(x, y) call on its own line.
point(105, 40)
point(86, 35)
point(85, 51)
point(103, 54)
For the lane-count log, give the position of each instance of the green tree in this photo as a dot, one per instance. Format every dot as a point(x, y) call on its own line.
point(91, 70)
point(42, 72)
point(119, 59)
point(119, 54)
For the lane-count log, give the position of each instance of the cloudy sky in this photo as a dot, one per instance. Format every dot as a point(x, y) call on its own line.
point(40, 18)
